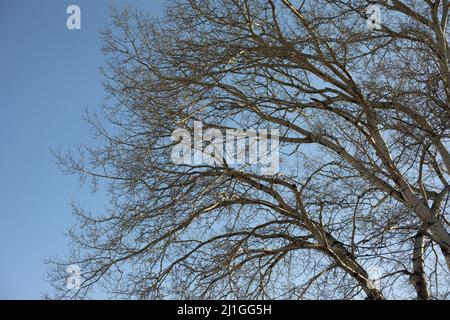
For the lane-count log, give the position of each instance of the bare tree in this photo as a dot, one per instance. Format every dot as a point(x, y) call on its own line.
point(363, 120)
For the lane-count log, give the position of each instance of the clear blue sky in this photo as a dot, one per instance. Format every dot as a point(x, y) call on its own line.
point(47, 75)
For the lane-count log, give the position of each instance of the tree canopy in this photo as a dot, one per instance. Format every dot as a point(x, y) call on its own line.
point(363, 119)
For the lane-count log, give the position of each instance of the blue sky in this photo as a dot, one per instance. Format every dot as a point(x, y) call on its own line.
point(48, 74)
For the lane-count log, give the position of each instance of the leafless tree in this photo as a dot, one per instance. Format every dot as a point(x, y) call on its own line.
point(363, 118)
